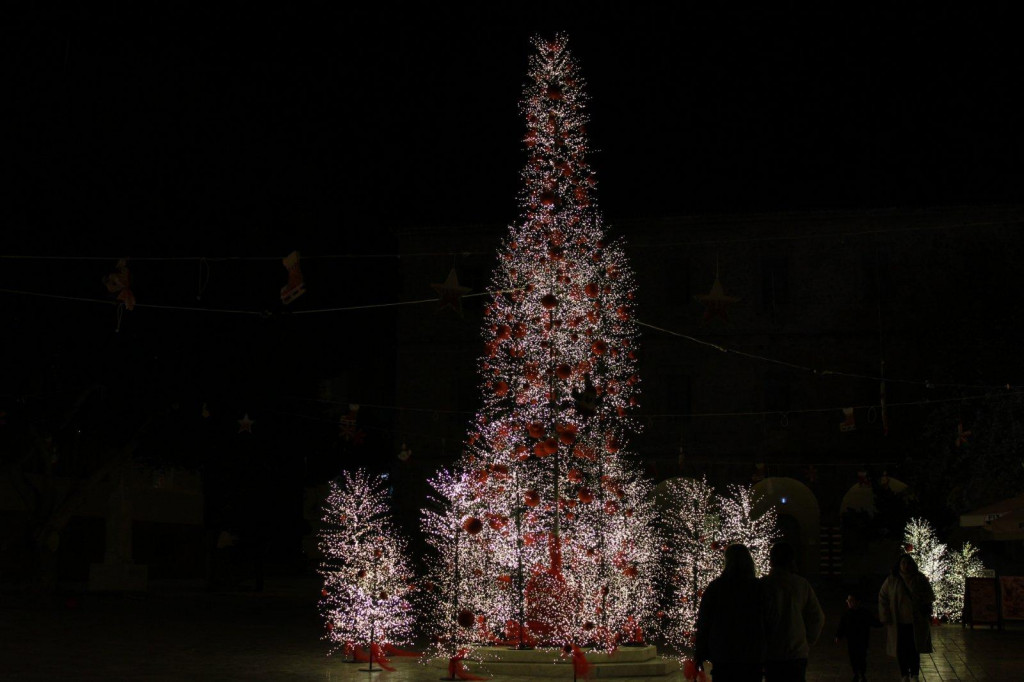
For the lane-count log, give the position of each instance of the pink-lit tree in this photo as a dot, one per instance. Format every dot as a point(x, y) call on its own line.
point(555, 534)
point(367, 580)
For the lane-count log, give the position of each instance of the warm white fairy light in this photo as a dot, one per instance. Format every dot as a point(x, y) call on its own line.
point(700, 524)
point(740, 525)
point(562, 531)
point(921, 542)
point(367, 580)
point(946, 570)
point(963, 564)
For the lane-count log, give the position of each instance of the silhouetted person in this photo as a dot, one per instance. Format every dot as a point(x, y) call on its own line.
point(855, 626)
point(731, 621)
point(796, 615)
point(905, 606)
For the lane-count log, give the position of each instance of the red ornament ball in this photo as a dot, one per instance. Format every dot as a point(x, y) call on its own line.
point(472, 525)
point(531, 498)
point(549, 301)
point(599, 347)
point(501, 389)
point(466, 618)
point(563, 371)
point(591, 290)
point(586, 495)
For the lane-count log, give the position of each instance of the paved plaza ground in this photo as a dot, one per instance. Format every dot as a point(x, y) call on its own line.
point(180, 632)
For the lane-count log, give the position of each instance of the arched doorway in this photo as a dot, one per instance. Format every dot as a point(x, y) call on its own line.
point(799, 517)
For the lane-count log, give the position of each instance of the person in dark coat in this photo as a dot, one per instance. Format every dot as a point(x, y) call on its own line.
point(731, 621)
point(905, 607)
point(855, 625)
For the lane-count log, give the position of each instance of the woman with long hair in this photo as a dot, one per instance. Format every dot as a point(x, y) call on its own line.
point(905, 608)
point(731, 621)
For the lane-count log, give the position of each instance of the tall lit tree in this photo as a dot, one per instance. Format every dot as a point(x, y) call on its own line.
point(367, 580)
point(557, 526)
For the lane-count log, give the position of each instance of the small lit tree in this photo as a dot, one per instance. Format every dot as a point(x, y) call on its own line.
point(921, 543)
point(698, 529)
point(963, 564)
point(693, 553)
point(740, 525)
point(367, 580)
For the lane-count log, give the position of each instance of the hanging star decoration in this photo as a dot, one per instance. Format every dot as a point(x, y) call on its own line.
point(450, 293)
point(245, 424)
point(716, 301)
point(962, 436)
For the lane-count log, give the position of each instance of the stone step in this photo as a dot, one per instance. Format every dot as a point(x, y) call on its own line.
point(548, 663)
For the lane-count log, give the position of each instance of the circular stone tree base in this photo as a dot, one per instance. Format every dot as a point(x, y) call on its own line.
point(638, 661)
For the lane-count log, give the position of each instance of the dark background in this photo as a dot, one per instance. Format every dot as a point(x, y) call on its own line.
point(175, 131)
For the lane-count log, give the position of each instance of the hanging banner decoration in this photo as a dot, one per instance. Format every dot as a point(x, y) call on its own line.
point(760, 472)
point(405, 453)
point(296, 286)
point(962, 437)
point(120, 282)
point(347, 428)
point(450, 293)
point(849, 422)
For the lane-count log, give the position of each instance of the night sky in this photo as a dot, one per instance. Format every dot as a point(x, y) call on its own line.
point(233, 132)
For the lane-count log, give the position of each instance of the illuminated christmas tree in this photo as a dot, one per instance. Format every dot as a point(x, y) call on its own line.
point(555, 536)
point(963, 564)
point(946, 571)
point(699, 526)
point(367, 580)
point(921, 542)
point(740, 525)
point(693, 554)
